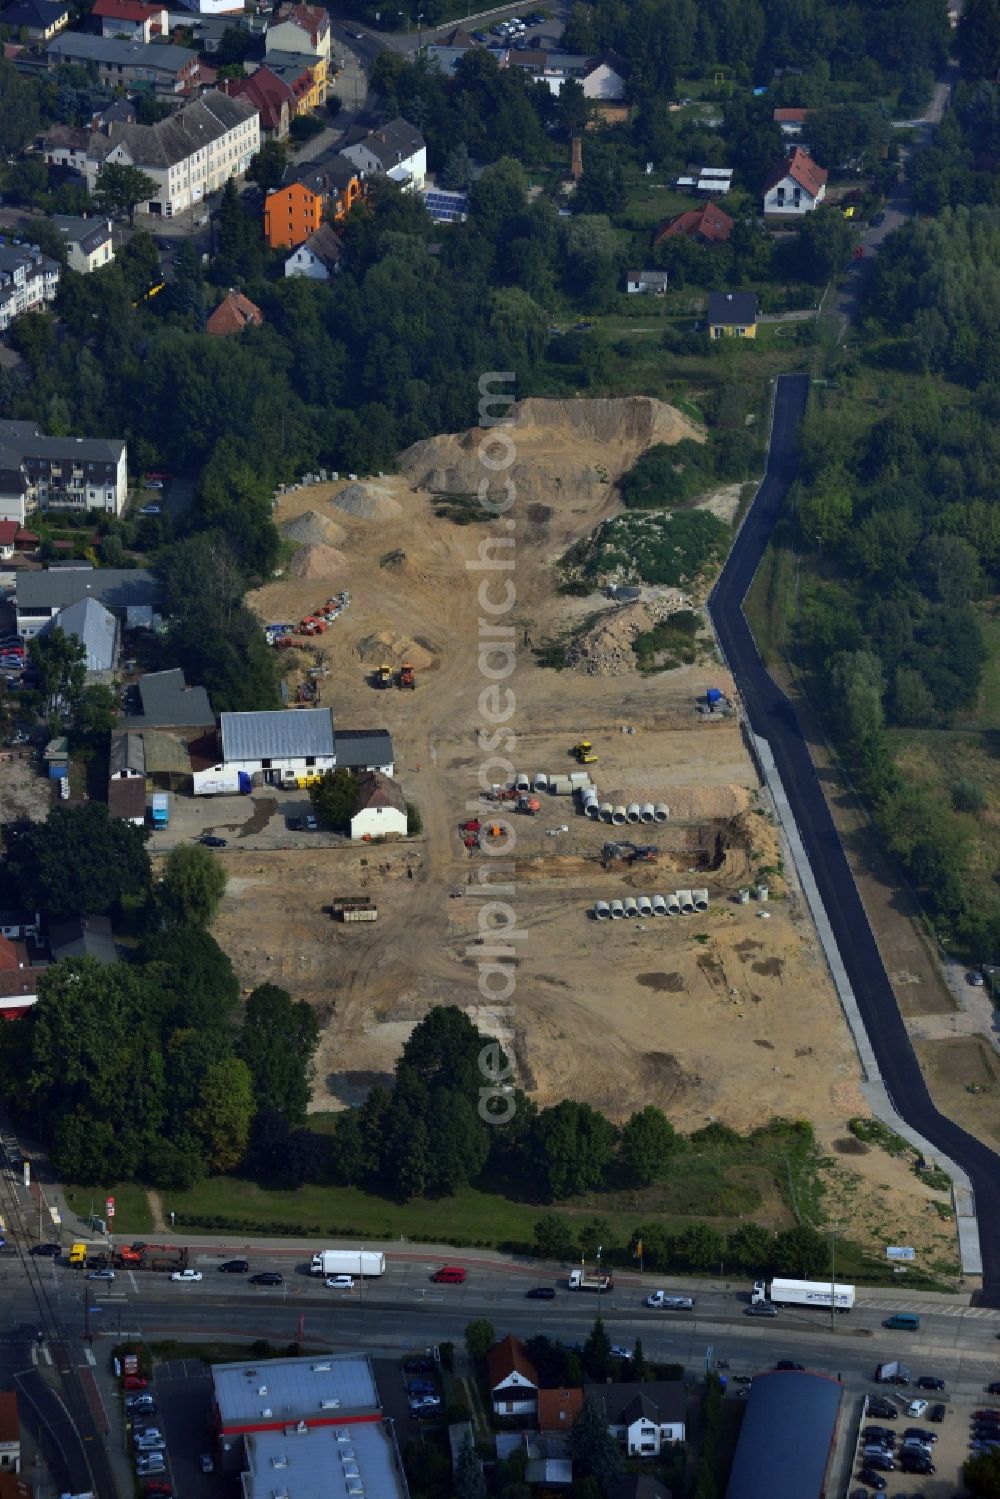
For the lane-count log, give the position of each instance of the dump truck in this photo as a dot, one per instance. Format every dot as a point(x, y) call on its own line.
point(407, 677)
point(77, 1254)
point(590, 1280)
point(584, 752)
point(348, 1262)
point(817, 1293)
point(163, 1257)
point(353, 908)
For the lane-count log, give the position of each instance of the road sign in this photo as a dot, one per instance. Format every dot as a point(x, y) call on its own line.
point(109, 1208)
point(900, 1252)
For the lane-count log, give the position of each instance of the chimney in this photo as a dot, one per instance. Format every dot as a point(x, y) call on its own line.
point(576, 169)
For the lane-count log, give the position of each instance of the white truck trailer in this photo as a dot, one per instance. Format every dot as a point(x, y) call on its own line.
point(348, 1262)
point(817, 1293)
point(589, 1280)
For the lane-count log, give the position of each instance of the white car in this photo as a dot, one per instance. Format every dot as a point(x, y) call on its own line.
point(186, 1275)
point(916, 1407)
point(340, 1282)
point(151, 1437)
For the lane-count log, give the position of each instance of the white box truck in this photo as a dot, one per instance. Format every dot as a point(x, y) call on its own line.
point(348, 1262)
point(817, 1293)
point(587, 1280)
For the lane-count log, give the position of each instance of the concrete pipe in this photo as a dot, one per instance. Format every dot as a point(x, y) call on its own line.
point(647, 812)
point(634, 813)
point(592, 807)
point(659, 906)
point(580, 778)
point(700, 898)
point(645, 906)
point(686, 902)
point(743, 896)
point(762, 893)
point(661, 812)
point(619, 816)
point(673, 905)
point(522, 782)
point(602, 911)
point(631, 906)
point(607, 811)
point(540, 781)
point(617, 910)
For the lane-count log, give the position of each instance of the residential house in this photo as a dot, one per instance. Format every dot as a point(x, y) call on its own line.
point(707, 225)
point(548, 1464)
point(791, 122)
point(274, 99)
point(59, 473)
point(164, 701)
point(300, 28)
point(646, 1418)
point(396, 150)
point(65, 146)
point(335, 180)
point(447, 52)
point(604, 78)
point(164, 68)
point(796, 186)
point(646, 283)
point(10, 1433)
point(83, 937)
point(88, 242)
point(28, 280)
point(319, 258)
point(36, 20)
point(20, 968)
point(233, 8)
point(710, 182)
point(127, 778)
point(14, 539)
point(97, 630)
point(380, 809)
point(211, 29)
point(513, 1378)
point(307, 76)
point(732, 314)
point(291, 215)
point(131, 19)
point(234, 313)
point(558, 1409)
point(127, 801)
point(41, 595)
point(190, 155)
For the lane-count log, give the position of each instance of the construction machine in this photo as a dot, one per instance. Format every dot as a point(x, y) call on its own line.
point(312, 626)
point(628, 853)
point(383, 676)
point(530, 805)
point(584, 752)
point(407, 677)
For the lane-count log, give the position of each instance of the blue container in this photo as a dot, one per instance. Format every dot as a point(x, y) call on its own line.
point(58, 772)
point(713, 695)
point(246, 782)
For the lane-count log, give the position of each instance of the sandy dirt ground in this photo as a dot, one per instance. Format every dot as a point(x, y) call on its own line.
point(723, 1015)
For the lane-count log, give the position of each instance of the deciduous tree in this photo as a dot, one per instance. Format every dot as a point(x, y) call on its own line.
point(192, 887)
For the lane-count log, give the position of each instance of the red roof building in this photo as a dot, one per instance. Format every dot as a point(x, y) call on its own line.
point(513, 1378)
point(131, 18)
point(709, 225)
point(558, 1409)
point(275, 100)
point(234, 313)
point(796, 186)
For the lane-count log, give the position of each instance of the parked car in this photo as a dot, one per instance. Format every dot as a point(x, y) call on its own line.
point(541, 1293)
point(207, 1463)
point(150, 1462)
point(919, 1434)
point(266, 1278)
point(765, 1309)
point(449, 1275)
point(150, 509)
point(150, 1436)
point(187, 1276)
point(101, 1275)
point(154, 483)
point(883, 1463)
point(418, 1366)
point(159, 1487)
point(417, 1387)
point(883, 1409)
point(871, 1478)
point(144, 1404)
point(340, 1282)
point(930, 1382)
point(235, 1267)
point(51, 1251)
point(295, 824)
point(916, 1408)
point(210, 841)
point(134, 1382)
point(312, 825)
point(937, 1413)
point(879, 1433)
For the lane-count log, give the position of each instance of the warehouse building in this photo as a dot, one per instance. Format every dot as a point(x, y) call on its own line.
point(288, 747)
point(331, 1463)
point(788, 1436)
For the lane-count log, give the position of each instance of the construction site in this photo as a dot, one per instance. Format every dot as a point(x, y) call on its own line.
point(601, 787)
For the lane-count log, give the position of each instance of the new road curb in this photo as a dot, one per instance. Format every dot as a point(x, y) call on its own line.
point(873, 1087)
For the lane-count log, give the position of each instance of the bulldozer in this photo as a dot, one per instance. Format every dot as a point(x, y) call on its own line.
point(584, 752)
point(628, 854)
point(406, 676)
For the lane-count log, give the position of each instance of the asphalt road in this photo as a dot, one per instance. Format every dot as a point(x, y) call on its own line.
point(772, 716)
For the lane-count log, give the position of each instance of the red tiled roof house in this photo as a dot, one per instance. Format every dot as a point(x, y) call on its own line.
point(796, 186)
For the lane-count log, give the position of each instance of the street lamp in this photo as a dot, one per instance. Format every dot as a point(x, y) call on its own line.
point(420, 44)
point(833, 1231)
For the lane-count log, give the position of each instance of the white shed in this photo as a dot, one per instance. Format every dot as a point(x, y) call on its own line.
point(380, 808)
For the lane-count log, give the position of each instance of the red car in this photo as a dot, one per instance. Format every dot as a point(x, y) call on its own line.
point(134, 1382)
point(160, 1487)
point(449, 1275)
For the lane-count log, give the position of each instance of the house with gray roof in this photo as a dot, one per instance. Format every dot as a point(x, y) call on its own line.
point(41, 595)
point(97, 630)
point(39, 20)
point(88, 242)
point(646, 1418)
point(158, 66)
point(396, 150)
point(83, 937)
point(190, 155)
point(167, 702)
point(59, 473)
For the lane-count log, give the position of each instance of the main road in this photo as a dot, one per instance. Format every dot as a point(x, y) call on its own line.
point(772, 717)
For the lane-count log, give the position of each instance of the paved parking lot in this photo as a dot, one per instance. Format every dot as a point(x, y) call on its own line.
point(949, 1451)
point(182, 1389)
point(256, 821)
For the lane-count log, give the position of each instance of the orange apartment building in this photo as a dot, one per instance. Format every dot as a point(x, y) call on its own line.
point(295, 211)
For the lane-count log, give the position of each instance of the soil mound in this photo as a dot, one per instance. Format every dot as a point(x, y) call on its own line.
point(367, 502)
point(311, 529)
point(575, 447)
point(387, 648)
point(317, 561)
point(605, 650)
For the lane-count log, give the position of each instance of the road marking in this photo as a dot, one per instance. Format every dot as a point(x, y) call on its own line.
point(46, 1355)
point(134, 1283)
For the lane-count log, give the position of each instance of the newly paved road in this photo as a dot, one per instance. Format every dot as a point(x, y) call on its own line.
point(772, 716)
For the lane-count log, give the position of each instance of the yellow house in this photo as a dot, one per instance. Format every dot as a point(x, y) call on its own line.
point(732, 314)
point(307, 76)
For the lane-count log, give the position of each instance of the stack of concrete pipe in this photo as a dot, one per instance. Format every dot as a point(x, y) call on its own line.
point(679, 903)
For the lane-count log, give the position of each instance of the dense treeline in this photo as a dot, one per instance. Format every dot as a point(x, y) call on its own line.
point(959, 167)
point(901, 514)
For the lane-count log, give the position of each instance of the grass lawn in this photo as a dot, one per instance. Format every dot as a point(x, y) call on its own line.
point(132, 1215)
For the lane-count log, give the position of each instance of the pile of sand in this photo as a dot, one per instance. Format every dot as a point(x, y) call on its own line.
point(368, 502)
point(317, 561)
point(386, 648)
point(311, 528)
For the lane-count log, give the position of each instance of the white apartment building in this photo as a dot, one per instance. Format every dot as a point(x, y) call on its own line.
point(28, 279)
point(193, 153)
